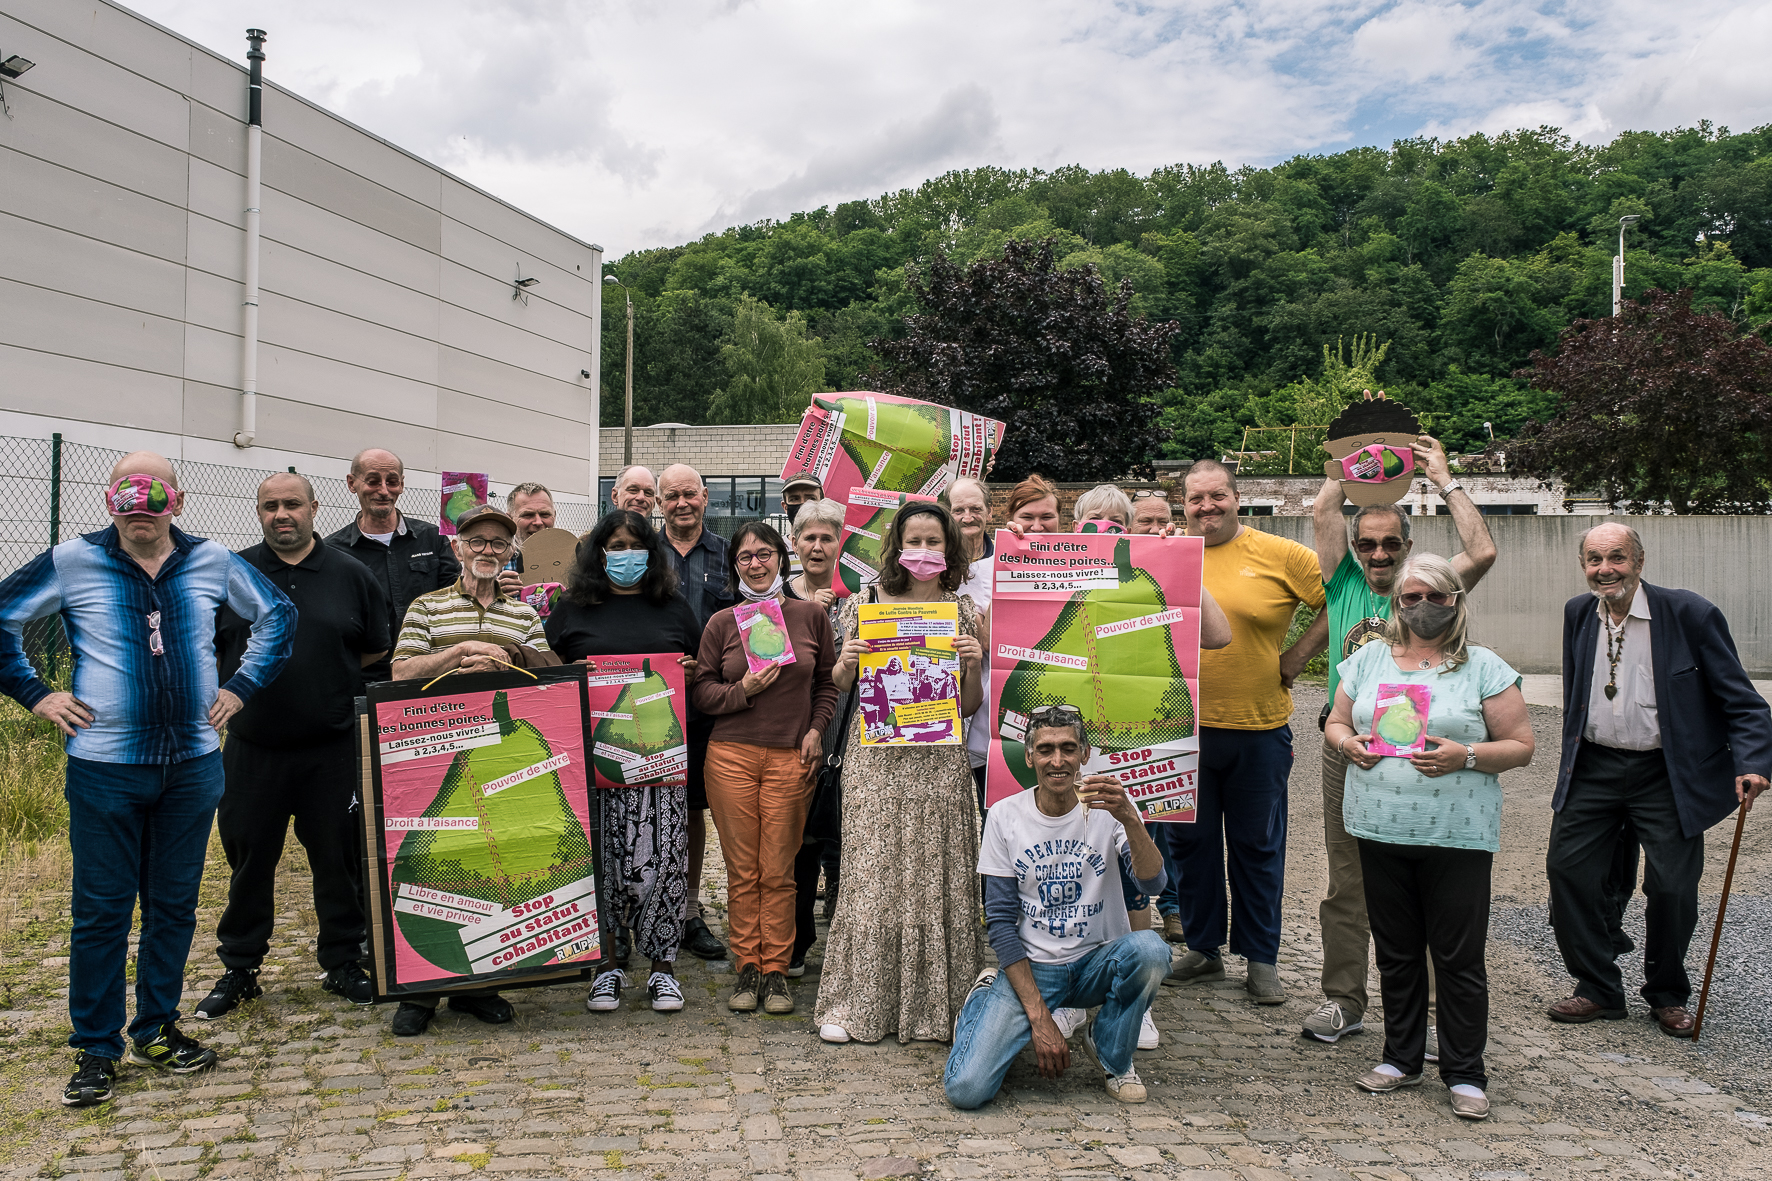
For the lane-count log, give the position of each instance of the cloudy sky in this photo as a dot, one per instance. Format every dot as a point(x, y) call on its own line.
point(636, 124)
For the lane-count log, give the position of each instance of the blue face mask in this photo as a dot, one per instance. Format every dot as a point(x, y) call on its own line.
point(625, 566)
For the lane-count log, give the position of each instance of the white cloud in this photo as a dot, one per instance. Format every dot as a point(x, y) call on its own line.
point(636, 123)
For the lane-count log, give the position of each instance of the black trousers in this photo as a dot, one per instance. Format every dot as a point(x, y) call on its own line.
point(265, 788)
point(1422, 899)
point(1612, 791)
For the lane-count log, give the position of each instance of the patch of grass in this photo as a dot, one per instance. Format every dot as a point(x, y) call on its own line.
point(32, 771)
point(478, 1160)
point(612, 1159)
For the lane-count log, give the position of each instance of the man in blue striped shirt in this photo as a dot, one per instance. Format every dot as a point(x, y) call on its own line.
point(138, 603)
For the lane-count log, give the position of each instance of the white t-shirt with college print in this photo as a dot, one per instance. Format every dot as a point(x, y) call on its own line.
point(1067, 871)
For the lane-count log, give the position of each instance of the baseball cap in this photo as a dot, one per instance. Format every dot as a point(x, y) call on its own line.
point(802, 478)
point(484, 512)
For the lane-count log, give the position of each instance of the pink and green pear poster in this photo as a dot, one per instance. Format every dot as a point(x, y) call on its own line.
point(1110, 624)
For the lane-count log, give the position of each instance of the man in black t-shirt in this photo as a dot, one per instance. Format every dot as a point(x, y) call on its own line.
point(291, 752)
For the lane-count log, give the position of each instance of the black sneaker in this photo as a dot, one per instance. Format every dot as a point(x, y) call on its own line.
point(410, 1020)
point(170, 1050)
point(92, 1080)
point(236, 986)
point(351, 982)
point(797, 965)
point(700, 942)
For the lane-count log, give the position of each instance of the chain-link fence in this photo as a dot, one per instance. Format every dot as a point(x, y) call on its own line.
point(55, 490)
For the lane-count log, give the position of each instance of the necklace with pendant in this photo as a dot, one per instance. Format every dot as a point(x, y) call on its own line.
point(1613, 651)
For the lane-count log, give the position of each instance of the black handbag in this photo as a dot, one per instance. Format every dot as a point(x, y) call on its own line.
point(824, 816)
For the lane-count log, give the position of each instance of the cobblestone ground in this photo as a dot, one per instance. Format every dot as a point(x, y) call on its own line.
point(310, 1087)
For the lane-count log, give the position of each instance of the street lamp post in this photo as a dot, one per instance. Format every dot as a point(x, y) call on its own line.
point(1618, 262)
point(627, 438)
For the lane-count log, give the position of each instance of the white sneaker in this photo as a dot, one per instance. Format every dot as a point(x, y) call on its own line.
point(1329, 1023)
point(834, 1034)
point(982, 981)
point(1147, 1032)
point(605, 992)
point(1067, 1021)
point(667, 994)
point(1128, 1087)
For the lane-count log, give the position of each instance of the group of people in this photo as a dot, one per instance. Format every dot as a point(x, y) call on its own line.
point(176, 640)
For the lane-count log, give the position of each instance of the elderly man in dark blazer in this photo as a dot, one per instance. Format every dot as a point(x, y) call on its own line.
point(1640, 663)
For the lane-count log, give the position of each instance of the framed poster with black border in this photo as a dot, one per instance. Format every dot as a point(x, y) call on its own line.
point(482, 847)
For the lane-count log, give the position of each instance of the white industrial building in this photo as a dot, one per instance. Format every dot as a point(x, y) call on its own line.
point(389, 312)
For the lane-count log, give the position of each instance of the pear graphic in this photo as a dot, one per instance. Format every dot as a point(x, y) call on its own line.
point(529, 840)
point(1143, 701)
point(915, 439)
point(767, 641)
point(459, 502)
point(865, 549)
point(1401, 724)
point(1391, 463)
point(653, 730)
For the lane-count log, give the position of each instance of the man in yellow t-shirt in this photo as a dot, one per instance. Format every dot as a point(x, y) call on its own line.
point(1245, 738)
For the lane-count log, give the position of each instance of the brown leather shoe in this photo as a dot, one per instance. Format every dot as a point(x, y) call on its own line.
point(1578, 1010)
point(1673, 1020)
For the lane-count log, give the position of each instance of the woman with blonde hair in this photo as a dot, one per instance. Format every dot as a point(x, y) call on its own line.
point(1102, 503)
point(1033, 506)
point(1429, 823)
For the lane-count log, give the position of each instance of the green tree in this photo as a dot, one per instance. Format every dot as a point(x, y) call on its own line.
point(1055, 354)
point(773, 368)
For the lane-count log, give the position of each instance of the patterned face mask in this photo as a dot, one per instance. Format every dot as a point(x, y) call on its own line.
point(1378, 464)
point(146, 496)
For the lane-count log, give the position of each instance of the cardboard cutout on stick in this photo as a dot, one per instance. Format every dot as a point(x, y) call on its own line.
point(1371, 448)
point(548, 555)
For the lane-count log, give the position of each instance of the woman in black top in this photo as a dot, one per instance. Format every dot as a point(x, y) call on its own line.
point(620, 600)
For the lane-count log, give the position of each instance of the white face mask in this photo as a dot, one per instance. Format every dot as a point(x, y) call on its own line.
point(756, 596)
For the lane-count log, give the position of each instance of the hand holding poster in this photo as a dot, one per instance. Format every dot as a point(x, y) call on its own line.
point(637, 704)
point(461, 492)
point(1109, 624)
point(908, 685)
point(764, 634)
point(481, 837)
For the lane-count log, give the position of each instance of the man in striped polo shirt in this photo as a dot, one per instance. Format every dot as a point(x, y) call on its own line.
point(138, 601)
point(473, 626)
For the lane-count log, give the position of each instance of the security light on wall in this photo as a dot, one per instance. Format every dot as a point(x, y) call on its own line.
point(13, 66)
point(520, 286)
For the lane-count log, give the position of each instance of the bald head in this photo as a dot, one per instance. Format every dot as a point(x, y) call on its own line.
point(375, 457)
point(376, 479)
point(685, 501)
point(145, 463)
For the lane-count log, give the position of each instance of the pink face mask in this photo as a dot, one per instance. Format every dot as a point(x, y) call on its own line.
point(141, 495)
point(923, 564)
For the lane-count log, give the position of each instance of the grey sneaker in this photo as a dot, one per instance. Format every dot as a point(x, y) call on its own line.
point(1262, 983)
point(1128, 1087)
point(1195, 965)
point(1329, 1023)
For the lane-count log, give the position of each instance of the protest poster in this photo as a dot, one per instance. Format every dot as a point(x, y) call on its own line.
point(1399, 720)
point(866, 519)
point(637, 704)
point(480, 844)
point(908, 683)
point(763, 634)
point(869, 440)
point(1109, 624)
point(461, 492)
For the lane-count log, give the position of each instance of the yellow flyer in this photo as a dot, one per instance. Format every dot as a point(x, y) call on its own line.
point(909, 683)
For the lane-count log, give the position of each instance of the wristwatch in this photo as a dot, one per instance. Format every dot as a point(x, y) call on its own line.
point(1470, 757)
point(1451, 487)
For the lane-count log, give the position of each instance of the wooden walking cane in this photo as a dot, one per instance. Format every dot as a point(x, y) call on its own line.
point(1717, 935)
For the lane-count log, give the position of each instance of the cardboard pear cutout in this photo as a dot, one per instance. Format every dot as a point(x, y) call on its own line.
point(1370, 447)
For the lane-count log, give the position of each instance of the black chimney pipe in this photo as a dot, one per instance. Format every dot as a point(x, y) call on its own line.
point(255, 89)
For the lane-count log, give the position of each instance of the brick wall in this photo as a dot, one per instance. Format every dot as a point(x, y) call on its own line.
point(711, 450)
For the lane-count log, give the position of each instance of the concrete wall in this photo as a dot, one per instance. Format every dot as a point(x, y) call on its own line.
point(1518, 608)
point(387, 315)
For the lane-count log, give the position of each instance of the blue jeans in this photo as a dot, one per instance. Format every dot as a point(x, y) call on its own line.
point(1122, 977)
point(1169, 901)
point(137, 831)
point(1242, 812)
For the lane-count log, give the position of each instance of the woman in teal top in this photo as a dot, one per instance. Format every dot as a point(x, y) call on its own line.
point(1429, 825)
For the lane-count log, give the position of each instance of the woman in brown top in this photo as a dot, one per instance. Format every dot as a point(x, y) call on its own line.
point(762, 756)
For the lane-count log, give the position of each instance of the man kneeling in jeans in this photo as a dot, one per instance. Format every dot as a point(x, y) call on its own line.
point(1057, 921)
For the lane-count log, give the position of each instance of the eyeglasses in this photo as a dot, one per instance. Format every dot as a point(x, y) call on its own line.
point(759, 558)
point(1392, 545)
point(1437, 598)
point(1048, 714)
point(486, 545)
point(156, 644)
point(1153, 493)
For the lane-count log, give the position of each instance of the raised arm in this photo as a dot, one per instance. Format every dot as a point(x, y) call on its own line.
point(1478, 548)
point(1329, 527)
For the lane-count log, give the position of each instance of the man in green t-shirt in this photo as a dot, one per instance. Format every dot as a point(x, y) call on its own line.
point(1357, 582)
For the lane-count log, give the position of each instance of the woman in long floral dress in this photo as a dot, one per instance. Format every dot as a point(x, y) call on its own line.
point(905, 942)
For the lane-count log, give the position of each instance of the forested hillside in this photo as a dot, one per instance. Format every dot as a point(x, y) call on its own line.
point(1463, 255)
